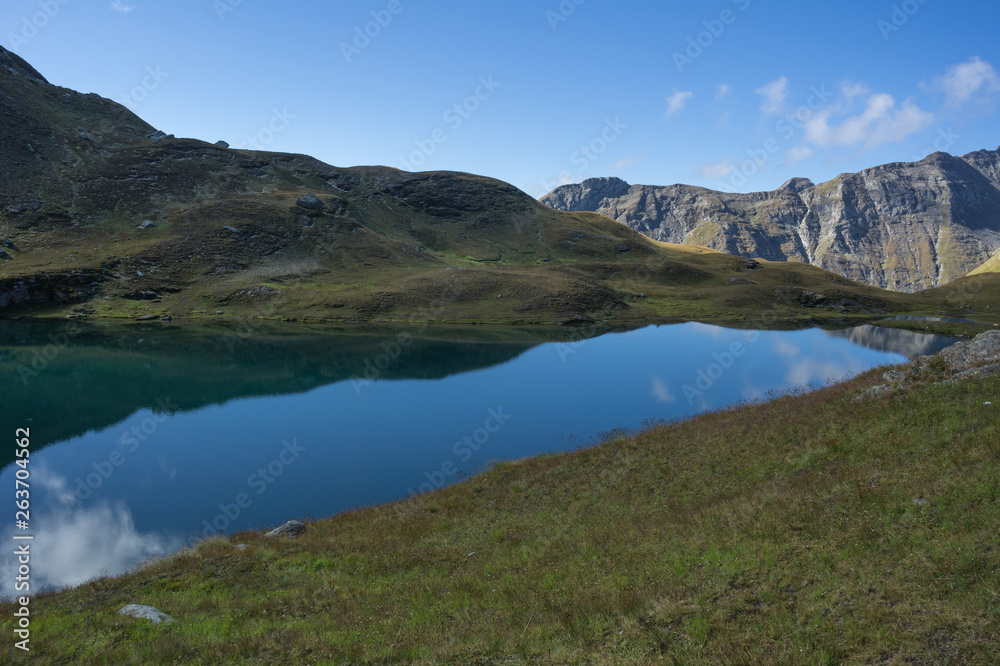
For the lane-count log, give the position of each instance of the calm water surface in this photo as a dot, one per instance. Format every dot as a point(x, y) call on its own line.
point(145, 440)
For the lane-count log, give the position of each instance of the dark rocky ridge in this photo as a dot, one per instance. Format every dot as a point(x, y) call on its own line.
point(900, 226)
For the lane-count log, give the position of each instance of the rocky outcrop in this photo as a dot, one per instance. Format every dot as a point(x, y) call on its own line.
point(592, 197)
point(154, 615)
point(976, 358)
point(291, 529)
point(901, 226)
point(67, 287)
point(982, 351)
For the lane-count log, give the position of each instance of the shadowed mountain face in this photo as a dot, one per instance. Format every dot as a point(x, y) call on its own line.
point(902, 226)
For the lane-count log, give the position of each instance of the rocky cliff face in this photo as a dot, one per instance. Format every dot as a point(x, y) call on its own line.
point(902, 226)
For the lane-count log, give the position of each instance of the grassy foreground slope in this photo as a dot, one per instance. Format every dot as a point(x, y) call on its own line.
point(812, 530)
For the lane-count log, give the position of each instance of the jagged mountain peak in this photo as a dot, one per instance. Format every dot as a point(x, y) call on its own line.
point(904, 226)
point(797, 185)
point(588, 194)
point(986, 162)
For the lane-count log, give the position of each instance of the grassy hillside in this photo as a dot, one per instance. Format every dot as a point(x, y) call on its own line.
point(992, 265)
point(811, 529)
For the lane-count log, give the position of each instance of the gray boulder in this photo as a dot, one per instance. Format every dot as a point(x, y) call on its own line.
point(221, 144)
point(874, 393)
point(147, 224)
point(310, 202)
point(4, 255)
point(291, 529)
point(984, 349)
point(154, 615)
point(9, 244)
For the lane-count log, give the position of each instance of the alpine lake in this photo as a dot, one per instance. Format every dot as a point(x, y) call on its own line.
point(145, 438)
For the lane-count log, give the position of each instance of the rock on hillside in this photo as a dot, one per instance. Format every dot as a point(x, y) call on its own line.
point(901, 226)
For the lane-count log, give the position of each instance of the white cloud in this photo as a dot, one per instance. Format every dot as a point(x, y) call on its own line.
point(662, 392)
point(119, 6)
point(723, 90)
point(717, 169)
point(798, 154)
point(628, 160)
point(881, 122)
point(55, 484)
point(786, 348)
point(76, 545)
point(808, 372)
point(774, 93)
point(961, 82)
point(853, 90)
point(677, 101)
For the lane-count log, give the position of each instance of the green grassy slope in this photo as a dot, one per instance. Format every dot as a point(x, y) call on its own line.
point(806, 530)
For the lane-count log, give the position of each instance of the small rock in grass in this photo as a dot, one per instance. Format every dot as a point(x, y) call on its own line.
point(145, 613)
point(874, 393)
point(310, 202)
point(292, 528)
point(894, 376)
point(146, 318)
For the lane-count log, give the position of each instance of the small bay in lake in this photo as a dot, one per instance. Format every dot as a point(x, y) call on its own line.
point(145, 438)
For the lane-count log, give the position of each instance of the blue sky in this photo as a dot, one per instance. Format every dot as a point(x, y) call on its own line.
point(729, 94)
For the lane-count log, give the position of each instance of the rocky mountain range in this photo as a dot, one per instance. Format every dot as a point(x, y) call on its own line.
point(900, 226)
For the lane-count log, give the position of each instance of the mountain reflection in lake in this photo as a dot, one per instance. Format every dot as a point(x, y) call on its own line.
point(148, 437)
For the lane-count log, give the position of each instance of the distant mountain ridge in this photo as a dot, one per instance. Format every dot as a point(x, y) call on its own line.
point(899, 226)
